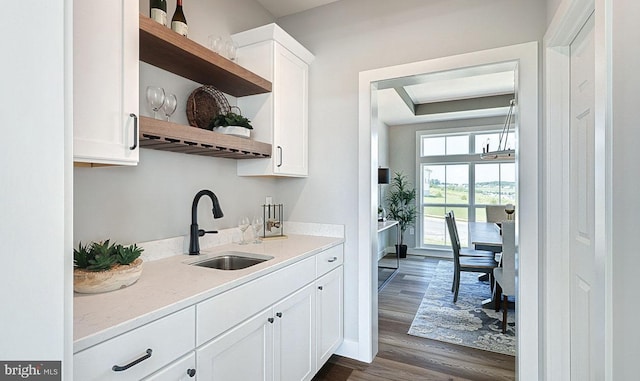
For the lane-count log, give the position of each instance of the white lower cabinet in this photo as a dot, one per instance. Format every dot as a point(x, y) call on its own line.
point(329, 312)
point(180, 370)
point(275, 344)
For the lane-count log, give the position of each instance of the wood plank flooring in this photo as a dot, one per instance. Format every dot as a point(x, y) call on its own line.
point(402, 357)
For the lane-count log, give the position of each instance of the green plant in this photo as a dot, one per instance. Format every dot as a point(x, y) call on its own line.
point(402, 206)
point(102, 256)
point(230, 119)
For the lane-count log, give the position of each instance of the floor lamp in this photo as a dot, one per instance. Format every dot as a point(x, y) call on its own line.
point(384, 176)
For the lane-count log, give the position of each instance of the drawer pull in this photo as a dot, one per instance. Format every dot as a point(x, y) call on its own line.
point(333, 259)
point(191, 372)
point(271, 320)
point(279, 314)
point(118, 368)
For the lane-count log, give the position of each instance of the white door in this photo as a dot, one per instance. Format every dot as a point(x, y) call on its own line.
point(586, 356)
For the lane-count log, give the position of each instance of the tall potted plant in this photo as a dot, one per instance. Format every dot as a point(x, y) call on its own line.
point(402, 206)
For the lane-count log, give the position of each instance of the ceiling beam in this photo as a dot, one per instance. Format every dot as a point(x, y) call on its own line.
point(406, 99)
point(479, 103)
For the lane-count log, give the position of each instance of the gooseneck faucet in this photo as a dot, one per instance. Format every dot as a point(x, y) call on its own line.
point(195, 232)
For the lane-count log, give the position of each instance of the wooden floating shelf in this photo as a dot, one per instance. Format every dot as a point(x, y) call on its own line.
point(163, 48)
point(167, 136)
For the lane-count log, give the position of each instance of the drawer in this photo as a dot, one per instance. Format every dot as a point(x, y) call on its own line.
point(329, 260)
point(168, 338)
point(224, 311)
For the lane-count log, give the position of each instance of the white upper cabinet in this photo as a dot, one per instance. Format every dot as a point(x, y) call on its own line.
point(280, 117)
point(105, 82)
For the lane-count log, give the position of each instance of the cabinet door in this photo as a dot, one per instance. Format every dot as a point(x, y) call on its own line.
point(294, 336)
point(329, 309)
point(244, 353)
point(183, 369)
point(290, 131)
point(105, 82)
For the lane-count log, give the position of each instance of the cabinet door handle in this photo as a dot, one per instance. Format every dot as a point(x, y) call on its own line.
point(280, 154)
point(191, 372)
point(135, 131)
point(320, 288)
point(119, 368)
point(333, 259)
point(271, 320)
point(279, 314)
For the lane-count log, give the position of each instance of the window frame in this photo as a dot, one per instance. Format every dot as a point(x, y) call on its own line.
point(471, 159)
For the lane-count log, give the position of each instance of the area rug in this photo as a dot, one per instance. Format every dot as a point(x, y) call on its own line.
point(465, 322)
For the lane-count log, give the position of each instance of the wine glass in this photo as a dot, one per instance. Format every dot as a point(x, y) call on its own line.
point(243, 225)
point(155, 98)
point(509, 209)
point(231, 49)
point(257, 225)
point(169, 105)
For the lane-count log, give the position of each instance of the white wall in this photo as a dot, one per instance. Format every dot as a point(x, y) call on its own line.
point(356, 35)
point(153, 200)
point(626, 182)
point(35, 271)
point(552, 7)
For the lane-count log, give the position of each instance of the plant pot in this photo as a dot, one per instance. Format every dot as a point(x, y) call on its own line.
point(95, 282)
point(402, 249)
point(234, 130)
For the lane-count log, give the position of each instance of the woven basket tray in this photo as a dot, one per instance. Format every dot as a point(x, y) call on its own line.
point(204, 104)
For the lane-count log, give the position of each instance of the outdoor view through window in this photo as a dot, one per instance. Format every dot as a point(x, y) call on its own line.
point(455, 178)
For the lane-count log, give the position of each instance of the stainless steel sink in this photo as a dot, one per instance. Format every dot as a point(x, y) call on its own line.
point(232, 260)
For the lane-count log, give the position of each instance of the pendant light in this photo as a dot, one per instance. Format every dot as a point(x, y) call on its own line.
point(502, 153)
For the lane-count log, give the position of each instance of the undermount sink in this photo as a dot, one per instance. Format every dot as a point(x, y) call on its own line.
point(232, 260)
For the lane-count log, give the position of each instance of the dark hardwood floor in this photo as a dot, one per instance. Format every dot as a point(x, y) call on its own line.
point(402, 357)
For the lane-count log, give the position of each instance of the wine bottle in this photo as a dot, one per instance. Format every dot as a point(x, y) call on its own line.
point(178, 21)
point(158, 11)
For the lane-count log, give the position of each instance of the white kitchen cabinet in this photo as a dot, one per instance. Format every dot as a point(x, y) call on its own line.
point(275, 344)
point(280, 117)
point(141, 351)
point(329, 312)
point(105, 82)
point(182, 369)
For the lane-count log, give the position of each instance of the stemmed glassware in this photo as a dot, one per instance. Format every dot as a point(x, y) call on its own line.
point(169, 105)
point(155, 98)
point(243, 225)
point(257, 225)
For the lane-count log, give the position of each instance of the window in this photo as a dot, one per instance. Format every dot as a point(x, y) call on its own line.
point(453, 177)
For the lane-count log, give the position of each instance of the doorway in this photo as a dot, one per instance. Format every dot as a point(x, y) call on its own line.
point(525, 55)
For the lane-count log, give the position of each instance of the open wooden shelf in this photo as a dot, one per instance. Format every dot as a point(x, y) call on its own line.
point(163, 48)
point(167, 136)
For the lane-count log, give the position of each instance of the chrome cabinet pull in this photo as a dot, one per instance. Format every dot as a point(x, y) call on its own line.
point(280, 150)
point(333, 259)
point(135, 131)
point(119, 368)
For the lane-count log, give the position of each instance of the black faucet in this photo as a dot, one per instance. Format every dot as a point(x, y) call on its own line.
point(194, 243)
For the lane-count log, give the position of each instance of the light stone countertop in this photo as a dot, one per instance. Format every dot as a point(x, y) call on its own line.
point(170, 284)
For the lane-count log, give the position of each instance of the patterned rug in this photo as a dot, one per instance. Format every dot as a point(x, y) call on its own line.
point(465, 322)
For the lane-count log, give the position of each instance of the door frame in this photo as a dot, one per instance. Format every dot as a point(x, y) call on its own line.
point(527, 317)
point(567, 22)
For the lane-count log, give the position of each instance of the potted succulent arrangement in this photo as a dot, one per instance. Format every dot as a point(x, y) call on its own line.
point(402, 207)
point(103, 266)
point(231, 123)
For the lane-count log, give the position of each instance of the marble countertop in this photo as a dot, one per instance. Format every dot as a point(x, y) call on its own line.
point(171, 284)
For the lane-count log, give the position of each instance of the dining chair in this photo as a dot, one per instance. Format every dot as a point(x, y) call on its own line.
point(469, 252)
point(466, 264)
point(495, 213)
point(505, 276)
